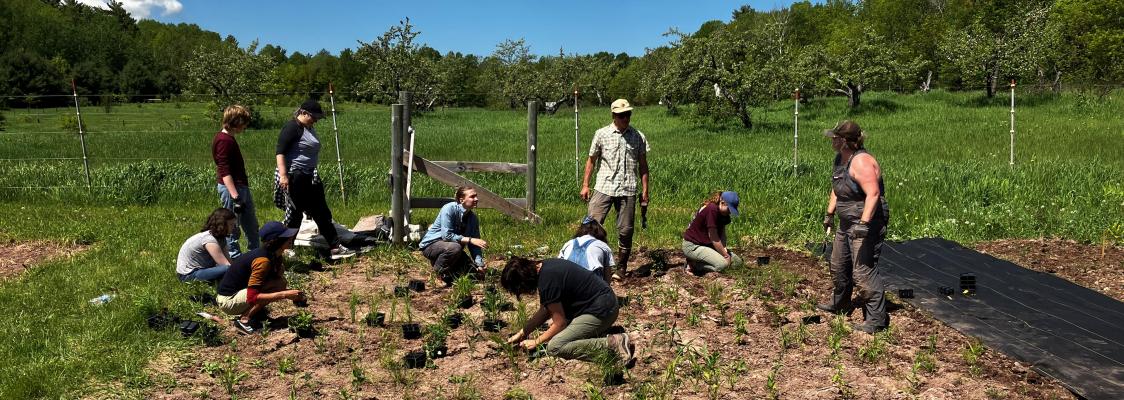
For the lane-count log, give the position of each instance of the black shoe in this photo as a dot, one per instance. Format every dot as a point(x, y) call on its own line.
point(828, 308)
point(870, 329)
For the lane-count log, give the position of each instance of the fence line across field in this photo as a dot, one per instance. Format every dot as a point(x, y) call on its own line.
point(404, 98)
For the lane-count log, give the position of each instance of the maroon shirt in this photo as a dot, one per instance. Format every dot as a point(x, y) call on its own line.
point(707, 217)
point(228, 159)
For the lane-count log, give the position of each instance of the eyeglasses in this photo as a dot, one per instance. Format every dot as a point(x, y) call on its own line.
point(625, 114)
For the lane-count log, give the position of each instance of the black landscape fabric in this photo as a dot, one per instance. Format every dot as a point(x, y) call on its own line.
point(1063, 330)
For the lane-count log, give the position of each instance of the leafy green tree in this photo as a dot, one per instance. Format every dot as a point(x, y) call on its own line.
point(992, 49)
point(231, 74)
point(395, 63)
point(1090, 38)
point(513, 72)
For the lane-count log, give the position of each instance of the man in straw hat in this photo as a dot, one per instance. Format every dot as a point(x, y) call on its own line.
point(621, 152)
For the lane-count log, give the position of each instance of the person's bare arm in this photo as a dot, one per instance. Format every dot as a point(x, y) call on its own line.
point(282, 174)
point(585, 178)
point(865, 171)
point(644, 178)
point(558, 322)
point(537, 319)
point(216, 254)
point(717, 241)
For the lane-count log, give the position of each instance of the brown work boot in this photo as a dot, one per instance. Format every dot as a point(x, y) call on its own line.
point(622, 345)
point(622, 261)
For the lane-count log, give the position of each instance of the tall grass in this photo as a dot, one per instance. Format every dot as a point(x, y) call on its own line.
point(944, 157)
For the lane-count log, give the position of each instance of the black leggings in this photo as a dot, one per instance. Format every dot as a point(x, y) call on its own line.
point(308, 198)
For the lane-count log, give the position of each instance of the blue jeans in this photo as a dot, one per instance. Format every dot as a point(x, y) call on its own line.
point(205, 274)
point(247, 221)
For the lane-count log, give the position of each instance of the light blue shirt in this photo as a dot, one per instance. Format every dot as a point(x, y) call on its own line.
point(453, 223)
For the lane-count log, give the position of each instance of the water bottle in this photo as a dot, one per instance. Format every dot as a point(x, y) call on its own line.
point(104, 298)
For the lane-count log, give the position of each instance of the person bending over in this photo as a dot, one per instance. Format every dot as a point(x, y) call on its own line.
point(580, 305)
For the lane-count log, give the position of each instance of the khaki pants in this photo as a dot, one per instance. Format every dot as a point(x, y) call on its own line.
point(599, 206)
point(707, 258)
point(853, 265)
point(582, 339)
point(238, 303)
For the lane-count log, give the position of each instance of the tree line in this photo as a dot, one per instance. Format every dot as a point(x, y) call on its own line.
point(726, 68)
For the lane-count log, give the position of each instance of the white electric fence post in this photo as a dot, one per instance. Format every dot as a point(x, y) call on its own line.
point(795, 131)
point(336, 130)
point(81, 134)
point(577, 148)
point(1012, 162)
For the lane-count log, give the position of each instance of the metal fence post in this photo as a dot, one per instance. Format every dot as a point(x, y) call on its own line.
point(336, 130)
point(81, 135)
point(795, 131)
point(532, 156)
point(397, 185)
point(1012, 161)
point(577, 146)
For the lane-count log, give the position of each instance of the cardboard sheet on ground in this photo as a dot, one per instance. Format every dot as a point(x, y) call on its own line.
point(1063, 330)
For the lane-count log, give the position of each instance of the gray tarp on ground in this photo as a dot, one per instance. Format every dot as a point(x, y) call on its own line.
point(1063, 330)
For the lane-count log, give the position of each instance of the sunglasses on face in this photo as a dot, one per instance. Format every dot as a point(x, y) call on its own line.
point(626, 114)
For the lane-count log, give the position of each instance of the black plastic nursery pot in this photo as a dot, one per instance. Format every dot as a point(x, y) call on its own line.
point(414, 359)
point(305, 333)
point(411, 331)
point(506, 306)
point(763, 260)
point(401, 291)
point(300, 303)
point(622, 301)
point(438, 350)
point(905, 293)
point(188, 328)
point(811, 319)
point(490, 289)
point(465, 302)
point(161, 321)
point(968, 283)
point(210, 335)
point(493, 325)
point(416, 285)
point(375, 319)
point(454, 320)
point(614, 379)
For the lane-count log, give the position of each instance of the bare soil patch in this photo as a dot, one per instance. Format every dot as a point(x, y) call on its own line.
point(1097, 267)
point(739, 335)
point(18, 257)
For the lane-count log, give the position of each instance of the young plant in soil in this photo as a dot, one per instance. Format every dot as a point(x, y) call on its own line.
point(510, 351)
point(436, 334)
point(971, 355)
point(301, 324)
point(227, 373)
point(352, 304)
point(771, 382)
point(740, 330)
point(608, 370)
point(840, 381)
point(707, 368)
point(462, 291)
point(286, 366)
point(491, 305)
point(410, 330)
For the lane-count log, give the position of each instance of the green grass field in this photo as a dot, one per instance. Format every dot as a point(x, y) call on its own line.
point(944, 157)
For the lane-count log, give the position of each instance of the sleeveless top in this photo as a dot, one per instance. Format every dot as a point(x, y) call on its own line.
point(850, 197)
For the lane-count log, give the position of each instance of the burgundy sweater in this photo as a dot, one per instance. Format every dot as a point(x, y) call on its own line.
point(228, 159)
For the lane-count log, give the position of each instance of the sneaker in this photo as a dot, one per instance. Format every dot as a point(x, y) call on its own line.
point(622, 345)
point(339, 252)
point(243, 327)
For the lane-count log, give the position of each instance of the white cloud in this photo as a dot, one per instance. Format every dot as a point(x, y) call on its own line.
point(141, 9)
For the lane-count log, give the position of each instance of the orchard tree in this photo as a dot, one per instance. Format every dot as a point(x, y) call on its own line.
point(1000, 48)
point(230, 73)
point(395, 63)
point(857, 57)
point(512, 72)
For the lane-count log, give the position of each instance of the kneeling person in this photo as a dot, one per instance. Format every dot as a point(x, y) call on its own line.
point(257, 278)
point(704, 241)
point(588, 249)
point(581, 306)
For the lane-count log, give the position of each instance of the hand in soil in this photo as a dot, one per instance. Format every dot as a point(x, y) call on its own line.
point(516, 337)
point(529, 344)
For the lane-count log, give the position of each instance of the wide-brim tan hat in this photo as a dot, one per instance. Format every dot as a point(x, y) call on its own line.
point(620, 106)
point(847, 129)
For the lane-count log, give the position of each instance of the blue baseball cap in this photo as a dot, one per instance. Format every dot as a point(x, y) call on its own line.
point(273, 230)
point(731, 199)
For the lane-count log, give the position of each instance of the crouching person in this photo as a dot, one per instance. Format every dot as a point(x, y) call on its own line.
point(588, 249)
point(455, 229)
point(580, 305)
point(202, 256)
point(257, 278)
point(704, 241)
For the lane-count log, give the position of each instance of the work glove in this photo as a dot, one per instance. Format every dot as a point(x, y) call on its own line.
point(239, 205)
point(829, 221)
point(859, 230)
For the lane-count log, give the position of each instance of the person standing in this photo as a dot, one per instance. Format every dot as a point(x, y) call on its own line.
point(233, 185)
point(298, 154)
point(858, 197)
point(704, 241)
point(621, 153)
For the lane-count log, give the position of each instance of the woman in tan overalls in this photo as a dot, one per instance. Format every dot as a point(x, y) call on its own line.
point(858, 197)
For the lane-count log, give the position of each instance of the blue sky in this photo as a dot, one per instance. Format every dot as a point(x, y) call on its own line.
point(577, 26)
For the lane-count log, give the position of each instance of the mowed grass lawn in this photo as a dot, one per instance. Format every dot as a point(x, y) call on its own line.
point(944, 157)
